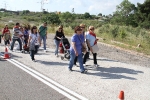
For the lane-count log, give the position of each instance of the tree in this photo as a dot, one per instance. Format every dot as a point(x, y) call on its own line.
point(87, 15)
point(124, 13)
point(142, 15)
point(51, 19)
point(24, 12)
point(67, 17)
point(100, 14)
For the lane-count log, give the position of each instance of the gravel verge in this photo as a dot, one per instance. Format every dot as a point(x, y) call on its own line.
point(113, 53)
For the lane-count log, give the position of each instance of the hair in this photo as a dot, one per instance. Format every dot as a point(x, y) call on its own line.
point(91, 27)
point(33, 27)
point(5, 26)
point(77, 28)
point(61, 26)
point(25, 27)
point(17, 23)
point(82, 25)
point(45, 22)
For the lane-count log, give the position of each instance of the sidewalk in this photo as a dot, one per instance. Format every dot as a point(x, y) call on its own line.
point(103, 83)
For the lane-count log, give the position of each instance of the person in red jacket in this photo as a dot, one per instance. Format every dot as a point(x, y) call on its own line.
point(6, 36)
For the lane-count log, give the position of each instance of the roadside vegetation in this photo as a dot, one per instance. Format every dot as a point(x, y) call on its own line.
point(128, 27)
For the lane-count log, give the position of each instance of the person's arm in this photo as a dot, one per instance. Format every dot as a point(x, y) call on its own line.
point(74, 47)
point(88, 43)
point(63, 35)
point(29, 40)
point(39, 40)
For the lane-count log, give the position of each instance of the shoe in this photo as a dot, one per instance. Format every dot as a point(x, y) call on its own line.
point(34, 60)
point(57, 55)
point(96, 65)
point(84, 65)
point(70, 69)
point(76, 65)
point(85, 71)
point(11, 50)
point(45, 51)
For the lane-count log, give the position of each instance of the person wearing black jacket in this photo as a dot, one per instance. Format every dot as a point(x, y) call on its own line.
point(59, 34)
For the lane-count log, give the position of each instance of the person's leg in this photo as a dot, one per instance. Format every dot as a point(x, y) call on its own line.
point(57, 46)
point(75, 60)
point(80, 59)
point(8, 43)
point(5, 42)
point(32, 54)
point(12, 43)
point(36, 48)
point(44, 42)
point(71, 62)
point(20, 43)
point(85, 57)
point(95, 58)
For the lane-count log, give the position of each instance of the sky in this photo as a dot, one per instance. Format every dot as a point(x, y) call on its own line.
point(95, 7)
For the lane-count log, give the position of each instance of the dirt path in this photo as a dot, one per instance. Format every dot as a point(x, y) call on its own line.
point(114, 53)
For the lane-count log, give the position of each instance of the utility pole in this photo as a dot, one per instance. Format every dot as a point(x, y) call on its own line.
point(42, 2)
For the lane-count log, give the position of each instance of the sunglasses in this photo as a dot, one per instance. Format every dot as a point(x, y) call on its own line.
point(91, 29)
point(82, 27)
point(60, 28)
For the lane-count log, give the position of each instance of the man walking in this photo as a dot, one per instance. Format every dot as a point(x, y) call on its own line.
point(43, 34)
point(16, 36)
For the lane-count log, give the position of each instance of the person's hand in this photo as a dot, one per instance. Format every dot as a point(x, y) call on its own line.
point(76, 53)
point(97, 40)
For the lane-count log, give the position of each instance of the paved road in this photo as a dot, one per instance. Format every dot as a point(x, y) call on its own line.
point(15, 84)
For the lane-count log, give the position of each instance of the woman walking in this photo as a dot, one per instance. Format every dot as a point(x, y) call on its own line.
point(59, 34)
point(33, 42)
point(6, 36)
point(77, 42)
point(91, 41)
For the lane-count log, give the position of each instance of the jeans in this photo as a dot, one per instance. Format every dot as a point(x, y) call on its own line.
point(33, 52)
point(44, 41)
point(57, 46)
point(13, 42)
point(80, 60)
point(36, 48)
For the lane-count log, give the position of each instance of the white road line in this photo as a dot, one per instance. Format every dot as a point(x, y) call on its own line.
point(24, 67)
point(42, 80)
point(51, 81)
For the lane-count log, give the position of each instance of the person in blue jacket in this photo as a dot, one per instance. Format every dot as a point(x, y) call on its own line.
point(77, 41)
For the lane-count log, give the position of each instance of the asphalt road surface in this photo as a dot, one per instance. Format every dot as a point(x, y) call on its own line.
point(16, 84)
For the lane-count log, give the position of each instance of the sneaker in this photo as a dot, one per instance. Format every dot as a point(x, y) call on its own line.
point(70, 69)
point(45, 51)
point(34, 60)
point(85, 71)
point(84, 65)
point(96, 65)
point(57, 55)
point(76, 65)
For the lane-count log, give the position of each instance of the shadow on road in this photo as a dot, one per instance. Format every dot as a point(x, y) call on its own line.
point(115, 73)
point(52, 63)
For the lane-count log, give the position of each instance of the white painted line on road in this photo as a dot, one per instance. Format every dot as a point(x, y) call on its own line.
point(51, 81)
point(47, 79)
point(42, 80)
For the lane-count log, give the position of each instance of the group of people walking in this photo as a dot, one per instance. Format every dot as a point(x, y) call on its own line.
point(32, 38)
point(80, 39)
point(26, 37)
